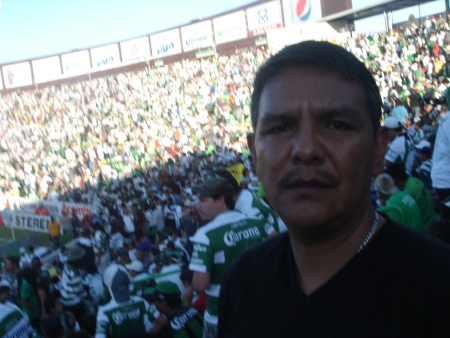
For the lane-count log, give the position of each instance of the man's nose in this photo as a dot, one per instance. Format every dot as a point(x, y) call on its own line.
point(306, 146)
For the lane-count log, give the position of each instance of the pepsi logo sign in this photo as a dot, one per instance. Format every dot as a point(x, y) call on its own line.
point(303, 9)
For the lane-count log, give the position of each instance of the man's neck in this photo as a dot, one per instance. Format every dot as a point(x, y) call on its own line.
point(317, 263)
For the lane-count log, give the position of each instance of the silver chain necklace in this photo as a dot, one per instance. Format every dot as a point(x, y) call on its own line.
point(370, 233)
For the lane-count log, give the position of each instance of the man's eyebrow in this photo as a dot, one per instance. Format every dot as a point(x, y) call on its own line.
point(269, 118)
point(322, 114)
point(343, 111)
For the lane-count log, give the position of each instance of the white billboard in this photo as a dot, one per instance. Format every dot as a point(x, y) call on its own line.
point(17, 75)
point(230, 27)
point(196, 36)
point(301, 11)
point(76, 63)
point(136, 50)
point(29, 222)
point(1, 80)
point(105, 57)
point(292, 34)
point(47, 69)
point(263, 18)
point(166, 43)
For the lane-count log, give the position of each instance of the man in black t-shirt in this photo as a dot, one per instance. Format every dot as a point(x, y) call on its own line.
point(342, 270)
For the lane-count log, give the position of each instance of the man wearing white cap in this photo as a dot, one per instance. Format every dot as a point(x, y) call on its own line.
point(124, 314)
point(401, 147)
point(24, 258)
point(13, 322)
point(397, 204)
point(423, 170)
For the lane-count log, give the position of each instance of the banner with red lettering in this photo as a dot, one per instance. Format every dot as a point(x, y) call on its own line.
point(57, 209)
point(263, 18)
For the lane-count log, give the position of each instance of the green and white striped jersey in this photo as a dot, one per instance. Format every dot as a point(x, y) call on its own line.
point(251, 205)
point(218, 244)
point(100, 241)
point(115, 319)
point(72, 290)
point(13, 322)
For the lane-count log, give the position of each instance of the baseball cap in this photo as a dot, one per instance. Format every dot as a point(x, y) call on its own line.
point(392, 123)
point(214, 186)
point(385, 184)
point(164, 291)
point(118, 282)
point(135, 266)
point(4, 284)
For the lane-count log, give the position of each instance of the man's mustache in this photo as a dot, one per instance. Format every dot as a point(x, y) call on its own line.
point(298, 177)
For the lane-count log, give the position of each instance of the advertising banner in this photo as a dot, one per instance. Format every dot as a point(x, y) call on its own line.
point(230, 27)
point(29, 222)
point(136, 50)
point(301, 11)
point(196, 36)
point(105, 57)
point(166, 43)
point(14, 203)
point(17, 75)
point(290, 35)
point(76, 63)
point(263, 18)
point(47, 69)
point(59, 209)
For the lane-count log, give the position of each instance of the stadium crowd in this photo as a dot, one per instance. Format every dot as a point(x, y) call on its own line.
point(138, 147)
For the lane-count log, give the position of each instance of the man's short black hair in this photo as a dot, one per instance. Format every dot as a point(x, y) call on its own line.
point(325, 55)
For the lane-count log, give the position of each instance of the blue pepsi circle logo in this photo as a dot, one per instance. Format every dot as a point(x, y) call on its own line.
point(303, 10)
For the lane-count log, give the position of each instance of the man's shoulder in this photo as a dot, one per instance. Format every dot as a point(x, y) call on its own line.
point(268, 251)
point(399, 141)
point(408, 246)
point(113, 306)
point(222, 220)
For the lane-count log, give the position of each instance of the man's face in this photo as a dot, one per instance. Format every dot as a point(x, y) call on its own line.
point(314, 148)
point(207, 208)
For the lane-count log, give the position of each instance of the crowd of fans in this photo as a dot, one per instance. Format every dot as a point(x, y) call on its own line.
point(133, 145)
point(70, 135)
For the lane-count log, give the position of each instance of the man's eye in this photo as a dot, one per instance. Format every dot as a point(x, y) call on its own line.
point(339, 125)
point(279, 129)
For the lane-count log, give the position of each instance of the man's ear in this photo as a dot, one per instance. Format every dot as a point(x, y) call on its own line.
point(251, 146)
point(380, 148)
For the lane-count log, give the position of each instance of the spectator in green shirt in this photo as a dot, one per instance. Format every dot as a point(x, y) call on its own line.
point(29, 296)
point(184, 322)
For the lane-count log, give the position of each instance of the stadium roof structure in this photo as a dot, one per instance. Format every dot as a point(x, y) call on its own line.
point(380, 7)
